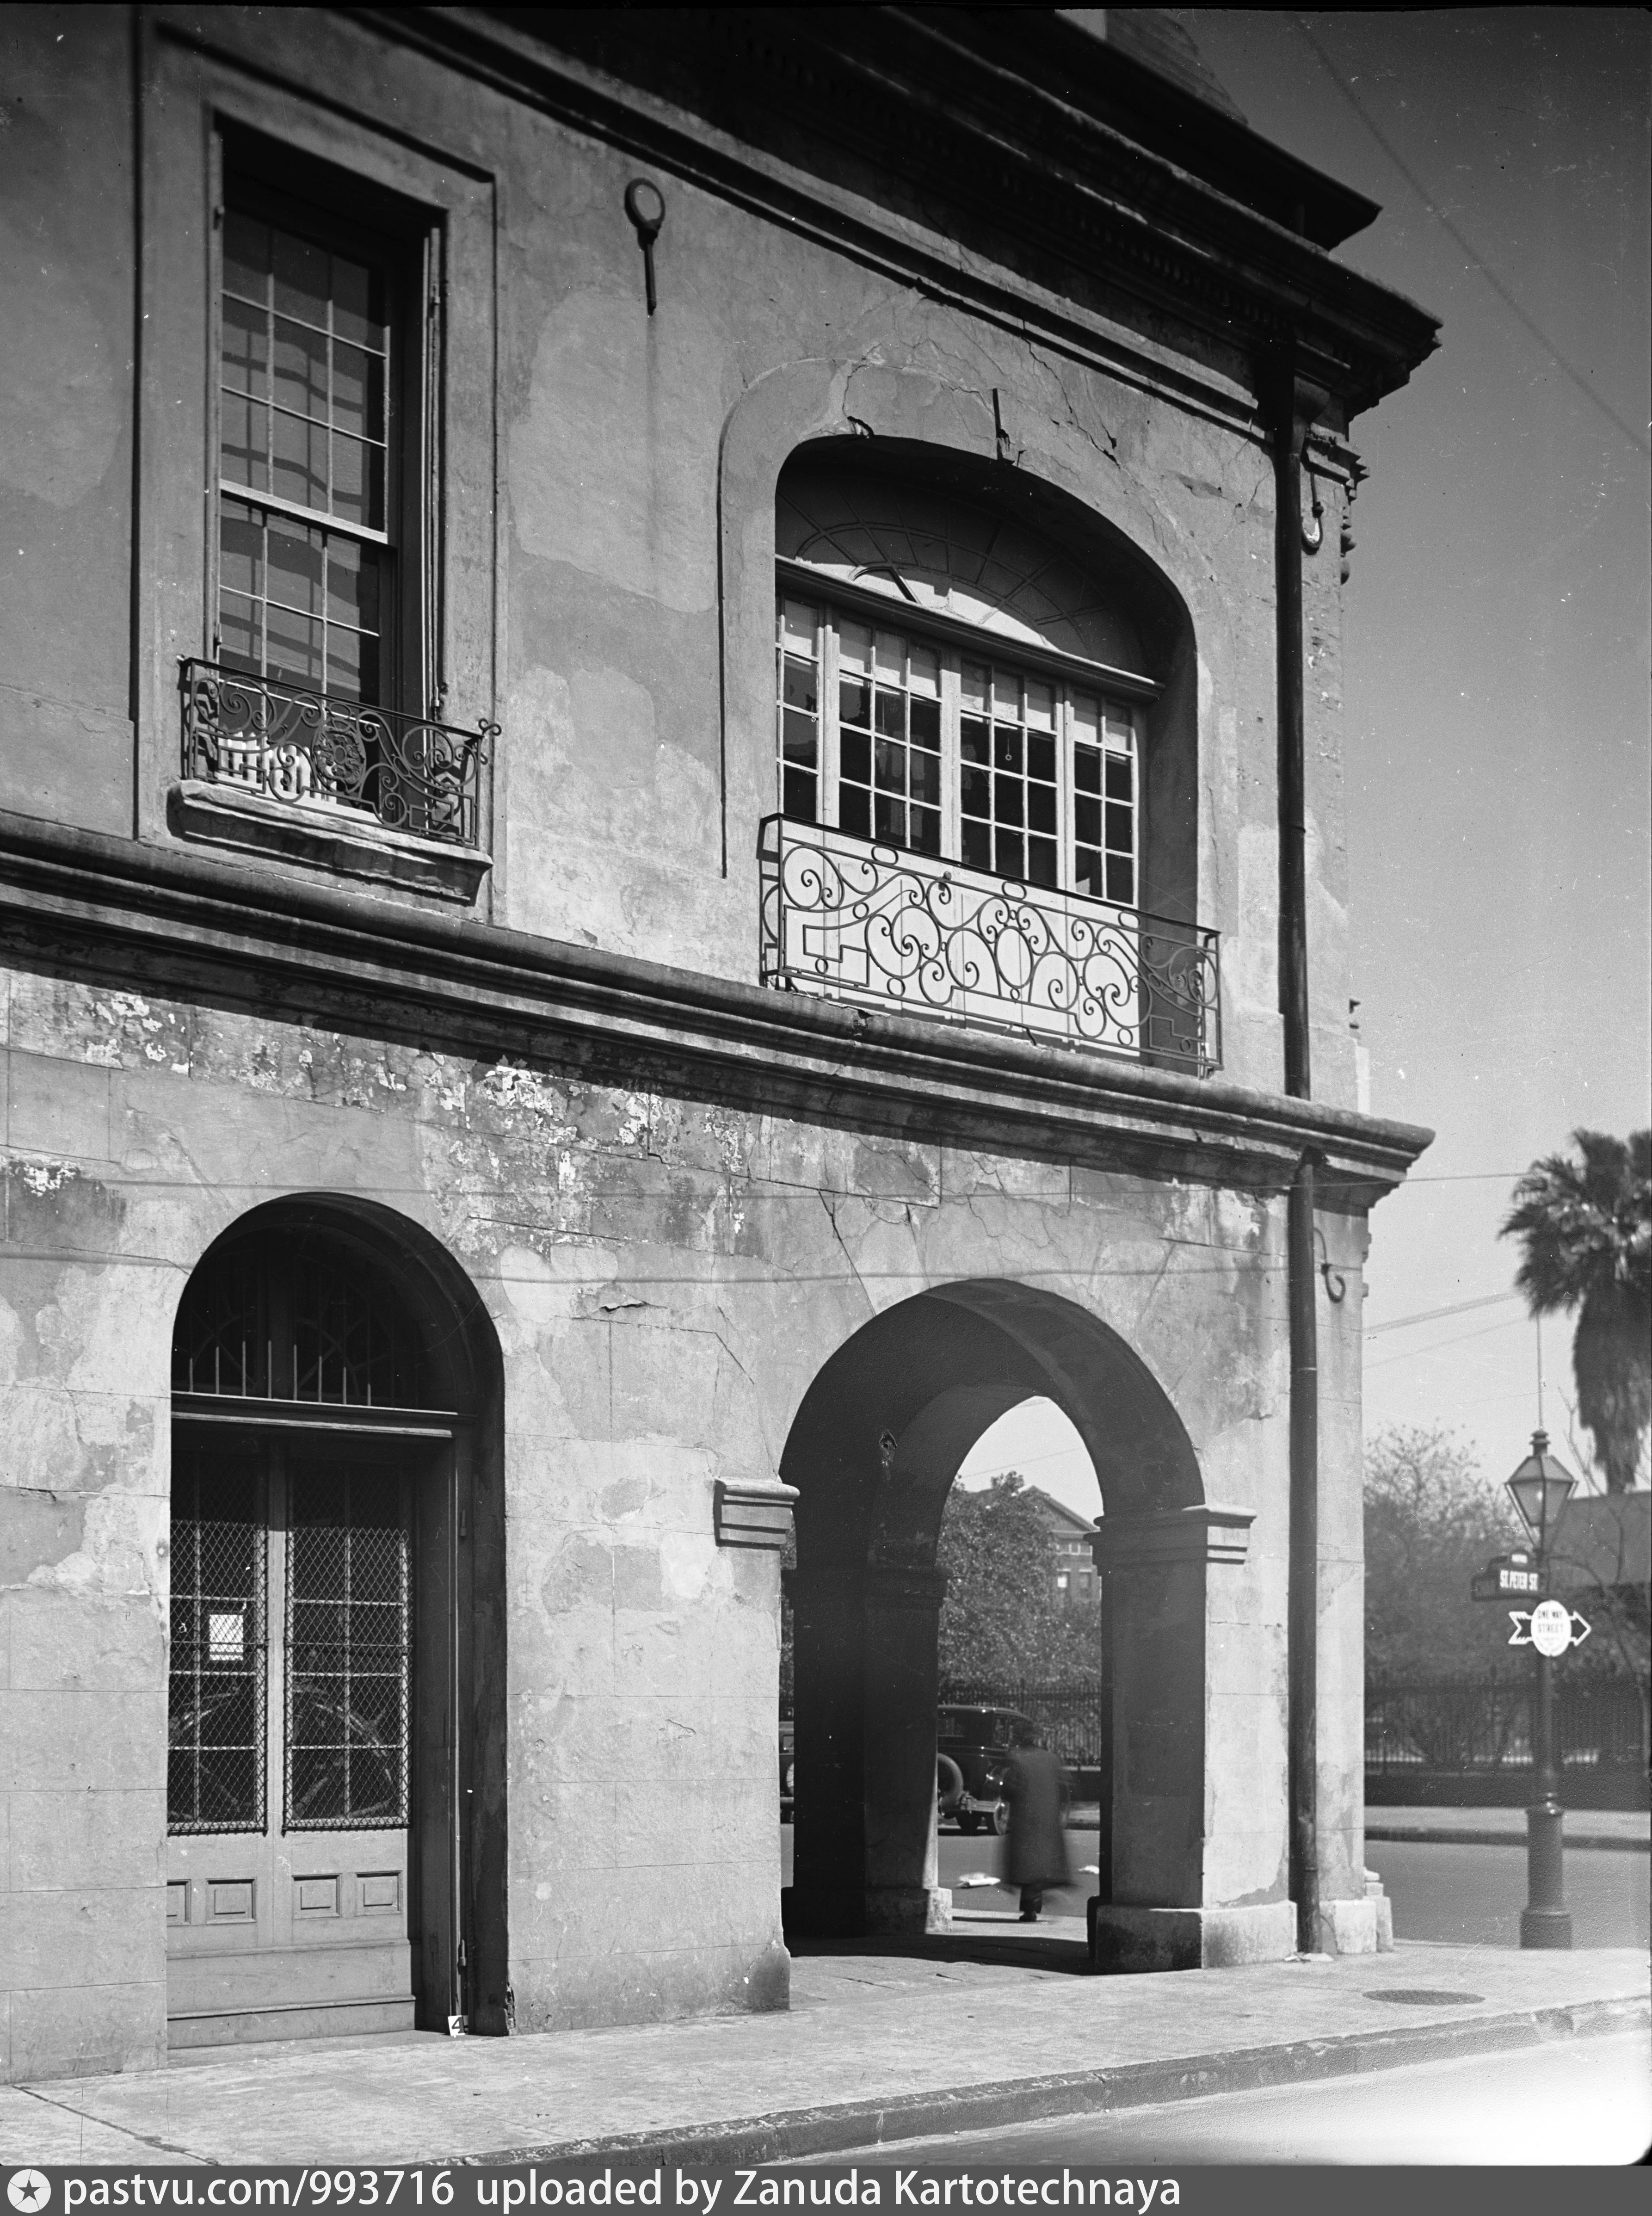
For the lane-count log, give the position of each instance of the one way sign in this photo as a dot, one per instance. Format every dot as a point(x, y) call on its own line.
point(1550, 1626)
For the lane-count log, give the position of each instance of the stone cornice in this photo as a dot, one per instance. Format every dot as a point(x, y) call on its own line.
point(1033, 181)
point(80, 903)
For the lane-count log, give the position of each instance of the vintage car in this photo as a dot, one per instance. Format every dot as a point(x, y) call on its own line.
point(972, 1746)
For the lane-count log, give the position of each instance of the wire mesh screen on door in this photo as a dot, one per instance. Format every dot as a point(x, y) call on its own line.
point(348, 1651)
point(215, 1755)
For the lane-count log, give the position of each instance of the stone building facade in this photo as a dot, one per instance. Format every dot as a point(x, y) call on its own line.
point(654, 855)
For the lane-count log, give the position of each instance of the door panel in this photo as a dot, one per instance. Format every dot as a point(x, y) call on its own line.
point(290, 1778)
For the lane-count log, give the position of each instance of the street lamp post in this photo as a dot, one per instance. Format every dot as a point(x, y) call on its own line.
point(1540, 1487)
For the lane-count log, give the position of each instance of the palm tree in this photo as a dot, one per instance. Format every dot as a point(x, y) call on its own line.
point(1585, 1230)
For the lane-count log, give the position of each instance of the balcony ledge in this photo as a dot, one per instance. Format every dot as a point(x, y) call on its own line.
point(343, 842)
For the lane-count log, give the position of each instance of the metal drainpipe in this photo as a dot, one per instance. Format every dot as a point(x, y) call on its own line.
point(1294, 413)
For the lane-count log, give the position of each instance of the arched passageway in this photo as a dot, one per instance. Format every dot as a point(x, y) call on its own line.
point(873, 1452)
point(335, 1810)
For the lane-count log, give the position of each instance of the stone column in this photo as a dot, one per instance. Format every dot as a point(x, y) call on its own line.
point(1157, 1569)
point(901, 1686)
point(825, 1898)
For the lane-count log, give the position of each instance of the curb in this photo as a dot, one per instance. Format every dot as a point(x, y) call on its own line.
point(790, 2134)
point(1465, 1835)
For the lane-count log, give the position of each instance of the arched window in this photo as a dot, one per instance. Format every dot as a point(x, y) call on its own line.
point(951, 684)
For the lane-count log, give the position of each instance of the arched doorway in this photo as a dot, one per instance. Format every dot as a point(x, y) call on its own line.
point(334, 1801)
point(873, 1451)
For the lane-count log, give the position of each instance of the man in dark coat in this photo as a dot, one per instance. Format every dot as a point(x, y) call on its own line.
point(1036, 1845)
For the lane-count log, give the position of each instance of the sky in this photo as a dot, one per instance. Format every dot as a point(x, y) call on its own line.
point(1496, 649)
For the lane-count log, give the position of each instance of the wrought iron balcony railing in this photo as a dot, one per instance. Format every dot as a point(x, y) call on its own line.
point(311, 750)
point(852, 920)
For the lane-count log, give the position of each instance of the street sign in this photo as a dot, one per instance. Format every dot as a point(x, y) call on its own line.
point(1550, 1626)
point(1506, 1574)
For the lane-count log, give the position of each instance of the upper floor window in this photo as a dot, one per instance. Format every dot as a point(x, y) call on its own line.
point(988, 808)
point(325, 679)
point(312, 534)
point(921, 745)
point(950, 685)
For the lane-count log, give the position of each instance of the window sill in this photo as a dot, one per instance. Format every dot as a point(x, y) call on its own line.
point(341, 840)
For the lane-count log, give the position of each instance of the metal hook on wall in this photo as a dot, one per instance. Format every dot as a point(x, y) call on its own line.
point(1335, 1282)
point(645, 207)
point(1313, 532)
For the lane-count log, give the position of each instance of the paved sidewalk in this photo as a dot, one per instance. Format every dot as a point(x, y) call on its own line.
point(1625, 1831)
point(879, 2045)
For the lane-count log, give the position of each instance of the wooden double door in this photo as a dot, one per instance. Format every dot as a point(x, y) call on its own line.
point(314, 1854)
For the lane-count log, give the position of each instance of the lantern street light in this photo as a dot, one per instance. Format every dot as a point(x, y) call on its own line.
point(1540, 1488)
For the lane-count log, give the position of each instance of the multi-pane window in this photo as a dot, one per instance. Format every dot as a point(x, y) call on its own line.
point(903, 740)
point(888, 738)
point(307, 472)
point(1104, 811)
point(799, 671)
point(1007, 780)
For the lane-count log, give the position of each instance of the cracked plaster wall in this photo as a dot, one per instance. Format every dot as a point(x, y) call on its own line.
point(634, 661)
point(665, 1277)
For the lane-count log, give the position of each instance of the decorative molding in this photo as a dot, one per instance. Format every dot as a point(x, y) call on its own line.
point(1204, 1533)
point(756, 1514)
point(82, 903)
point(1026, 165)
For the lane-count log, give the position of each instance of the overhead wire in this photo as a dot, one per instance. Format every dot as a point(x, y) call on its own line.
point(1526, 322)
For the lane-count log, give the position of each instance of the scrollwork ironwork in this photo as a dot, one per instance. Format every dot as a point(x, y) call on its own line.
point(850, 920)
point(311, 750)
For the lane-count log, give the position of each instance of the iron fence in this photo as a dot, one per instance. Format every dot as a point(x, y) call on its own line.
point(311, 750)
point(844, 917)
point(1067, 1711)
point(1476, 1727)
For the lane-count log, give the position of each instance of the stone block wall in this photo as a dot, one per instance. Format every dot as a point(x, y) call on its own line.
point(665, 1277)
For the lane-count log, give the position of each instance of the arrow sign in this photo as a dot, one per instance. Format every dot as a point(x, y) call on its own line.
point(1549, 1626)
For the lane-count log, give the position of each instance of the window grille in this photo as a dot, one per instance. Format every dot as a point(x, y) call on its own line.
point(298, 1320)
point(350, 1342)
point(216, 1688)
point(220, 1333)
point(348, 1651)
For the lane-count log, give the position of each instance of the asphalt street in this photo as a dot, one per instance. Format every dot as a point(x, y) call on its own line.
point(1458, 1895)
point(1585, 2102)
point(1472, 1896)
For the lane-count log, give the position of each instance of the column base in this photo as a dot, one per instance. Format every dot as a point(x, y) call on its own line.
point(1546, 1927)
point(1355, 1927)
point(907, 1908)
point(1132, 1939)
point(861, 1912)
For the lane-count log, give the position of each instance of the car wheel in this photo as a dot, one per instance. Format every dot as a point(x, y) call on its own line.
point(949, 1784)
point(1000, 1818)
